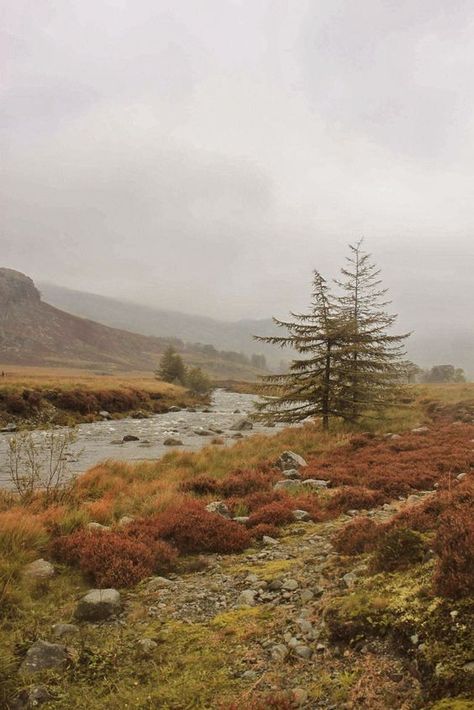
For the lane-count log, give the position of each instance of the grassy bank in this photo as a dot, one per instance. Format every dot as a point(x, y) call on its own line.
point(39, 396)
point(424, 590)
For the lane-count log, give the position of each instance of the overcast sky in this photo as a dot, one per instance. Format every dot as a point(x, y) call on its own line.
point(206, 155)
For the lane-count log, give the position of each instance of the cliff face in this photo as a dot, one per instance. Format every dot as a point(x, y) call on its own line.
point(33, 332)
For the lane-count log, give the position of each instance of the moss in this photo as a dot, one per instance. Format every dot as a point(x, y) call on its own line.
point(453, 704)
point(264, 570)
point(242, 623)
point(355, 616)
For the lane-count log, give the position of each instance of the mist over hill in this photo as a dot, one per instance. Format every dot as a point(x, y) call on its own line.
point(434, 340)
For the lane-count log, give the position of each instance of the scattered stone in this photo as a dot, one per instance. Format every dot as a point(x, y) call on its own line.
point(303, 651)
point(307, 595)
point(155, 583)
point(125, 520)
point(279, 652)
point(130, 437)
point(9, 428)
point(247, 598)
point(242, 425)
point(202, 432)
point(147, 645)
point(65, 631)
point(219, 507)
point(461, 476)
point(39, 569)
point(316, 483)
point(242, 519)
point(289, 460)
point(291, 473)
point(97, 526)
point(249, 675)
point(275, 585)
point(279, 485)
point(191, 409)
point(105, 414)
point(175, 408)
point(267, 540)
point(420, 430)
point(468, 667)
point(171, 441)
point(289, 585)
point(236, 411)
point(320, 648)
point(98, 604)
point(31, 698)
point(415, 639)
point(43, 655)
point(302, 515)
point(238, 435)
point(350, 579)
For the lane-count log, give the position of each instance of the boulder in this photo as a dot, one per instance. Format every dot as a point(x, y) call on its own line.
point(171, 441)
point(130, 437)
point(289, 460)
point(301, 515)
point(105, 414)
point(242, 425)
point(93, 526)
point(39, 569)
point(218, 507)
point(202, 432)
point(9, 428)
point(43, 655)
point(156, 583)
point(98, 604)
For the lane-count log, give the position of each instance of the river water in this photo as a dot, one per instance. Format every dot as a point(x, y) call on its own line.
point(102, 440)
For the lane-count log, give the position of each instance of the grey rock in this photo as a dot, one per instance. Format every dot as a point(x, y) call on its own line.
point(237, 435)
point(289, 460)
point(218, 507)
point(65, 631)
point(242, 425)
point(9, 428)
point(420, 430)
point(275, 585)
point(131, 437)
point(247, 598)
point(105, 414)
point(31, 698)
point(461, 476)
point(43, 655)
point(287, 484)
point(242, 519)
point(267, 540)
point(171, 441)
point(97, 526)
point(39, 569)
point(279, 652)
point(156, 583)
point(98, 604)
point(303, 651)
point(468, 667)
point(307, 595)
point(350, 579)
point(175, 408)
point(289, 585)
point(202, 432)
point(302, 515)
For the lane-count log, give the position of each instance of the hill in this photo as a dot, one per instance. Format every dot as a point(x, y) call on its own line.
point(437, 339)
point(33, 332)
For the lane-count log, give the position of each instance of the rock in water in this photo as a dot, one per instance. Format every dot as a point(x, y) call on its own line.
point(170, 441)
point(130, 437)
point(242, 425)
point(42, 656)
point(98, 604)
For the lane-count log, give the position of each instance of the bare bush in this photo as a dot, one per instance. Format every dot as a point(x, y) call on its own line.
point(40, 463)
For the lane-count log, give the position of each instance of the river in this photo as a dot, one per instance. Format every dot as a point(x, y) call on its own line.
point(103, 440)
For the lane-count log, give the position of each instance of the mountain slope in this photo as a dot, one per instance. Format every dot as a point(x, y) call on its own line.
point(34, 332)
point(438, 340)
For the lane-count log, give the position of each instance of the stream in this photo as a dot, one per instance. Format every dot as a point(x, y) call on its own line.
point(103, 440)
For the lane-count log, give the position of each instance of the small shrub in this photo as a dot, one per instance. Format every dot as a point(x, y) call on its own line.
point(356, 537)
point(278, 513)
point(112, 559)
point(201, 486)
point(454, 544)
point(192, 529)
point(262, 529)
point(354, 498)
point(398, 549)
point(241, 483)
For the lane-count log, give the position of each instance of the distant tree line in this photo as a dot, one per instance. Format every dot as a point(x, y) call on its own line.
point(438, 374)
point(255, 360)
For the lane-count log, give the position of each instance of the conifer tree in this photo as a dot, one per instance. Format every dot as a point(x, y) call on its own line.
point(310, 387)
point(171, 368)
point(371, 366)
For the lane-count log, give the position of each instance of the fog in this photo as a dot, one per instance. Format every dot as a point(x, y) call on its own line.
point(206, 156)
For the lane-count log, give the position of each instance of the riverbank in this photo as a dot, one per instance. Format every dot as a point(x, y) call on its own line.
point(36, 397)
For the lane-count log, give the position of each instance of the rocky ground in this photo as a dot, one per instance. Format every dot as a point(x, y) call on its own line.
point(247, 626)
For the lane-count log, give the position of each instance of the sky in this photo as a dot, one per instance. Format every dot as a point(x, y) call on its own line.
point(206, 155)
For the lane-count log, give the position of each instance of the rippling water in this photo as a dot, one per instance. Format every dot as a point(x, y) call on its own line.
point(95, 442)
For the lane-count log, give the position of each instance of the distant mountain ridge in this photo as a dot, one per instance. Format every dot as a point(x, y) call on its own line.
point(33, 332)
point(431, 343)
